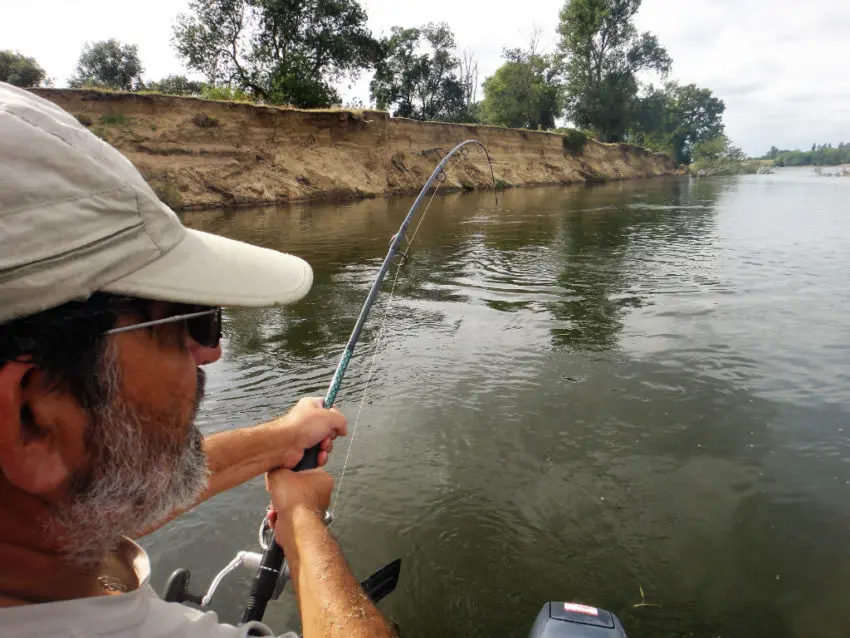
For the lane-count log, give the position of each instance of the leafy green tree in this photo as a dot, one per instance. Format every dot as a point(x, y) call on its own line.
point(440, 92)
point(711, 149)
point(603, 53)
point(397, 75)
point(675, 118)
point(718, 156)
point(820, 155)
point(176, 85)
point(423, 86)
point(109, 64)
point(524, 92)
point(771, 154)
point(278, 51)
point(20, 70)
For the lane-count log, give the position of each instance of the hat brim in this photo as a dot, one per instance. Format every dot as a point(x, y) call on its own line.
point(211, 270)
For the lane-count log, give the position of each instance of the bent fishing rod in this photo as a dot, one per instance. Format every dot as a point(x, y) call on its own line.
point(271, 571)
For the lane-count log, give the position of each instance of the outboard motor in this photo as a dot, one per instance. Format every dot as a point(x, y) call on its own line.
point(572, 620)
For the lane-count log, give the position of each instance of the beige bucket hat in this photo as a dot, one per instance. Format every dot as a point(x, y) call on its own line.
point(76, 217)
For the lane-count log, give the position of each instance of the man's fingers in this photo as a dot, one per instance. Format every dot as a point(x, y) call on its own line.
point(271, 515)
point(340, 424)
point(323, 459)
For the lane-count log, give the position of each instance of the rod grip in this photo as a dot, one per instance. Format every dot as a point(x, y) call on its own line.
point(265, 582)
point(310, 459)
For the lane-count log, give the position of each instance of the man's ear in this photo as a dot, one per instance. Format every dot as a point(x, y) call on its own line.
point(41, 431)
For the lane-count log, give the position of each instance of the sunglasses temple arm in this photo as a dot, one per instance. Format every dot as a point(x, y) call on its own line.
point(159, 322)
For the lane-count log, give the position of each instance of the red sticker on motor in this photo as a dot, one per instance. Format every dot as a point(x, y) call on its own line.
point(581, 609)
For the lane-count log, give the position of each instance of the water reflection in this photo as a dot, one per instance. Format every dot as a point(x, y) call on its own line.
point(470, 249)
point(606, 255)
point(580, 395)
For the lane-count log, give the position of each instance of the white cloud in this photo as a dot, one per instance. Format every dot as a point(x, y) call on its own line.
point(54, 31)
point(779, 66)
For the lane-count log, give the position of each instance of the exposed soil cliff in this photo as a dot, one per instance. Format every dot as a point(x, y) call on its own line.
point(199, 154)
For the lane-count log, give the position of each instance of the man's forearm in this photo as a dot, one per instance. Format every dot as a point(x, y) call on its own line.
point(237, 456)
point(332, 603)
point(233, 457)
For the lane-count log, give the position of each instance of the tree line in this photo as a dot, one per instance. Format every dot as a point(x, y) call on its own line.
point(295, 52)
point(819, 155)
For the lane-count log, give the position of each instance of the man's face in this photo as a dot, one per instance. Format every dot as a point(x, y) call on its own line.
point(144, 452)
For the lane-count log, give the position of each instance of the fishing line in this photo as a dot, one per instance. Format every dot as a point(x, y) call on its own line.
point(376, 348)
point(270, 569)
point(271, 572)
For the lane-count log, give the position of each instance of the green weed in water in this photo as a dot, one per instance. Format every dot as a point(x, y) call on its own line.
point(643, 602)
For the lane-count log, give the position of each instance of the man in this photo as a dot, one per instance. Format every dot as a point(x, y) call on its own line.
point(109, 309)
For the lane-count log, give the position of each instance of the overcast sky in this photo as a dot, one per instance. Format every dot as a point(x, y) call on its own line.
point(782, 67)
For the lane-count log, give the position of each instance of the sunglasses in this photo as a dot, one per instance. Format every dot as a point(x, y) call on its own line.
point(203, 326)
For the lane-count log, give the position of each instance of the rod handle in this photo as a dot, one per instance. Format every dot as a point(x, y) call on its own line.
point(265, 583)
point(309, 461)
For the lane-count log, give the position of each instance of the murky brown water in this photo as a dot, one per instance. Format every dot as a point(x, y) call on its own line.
point(583, 392)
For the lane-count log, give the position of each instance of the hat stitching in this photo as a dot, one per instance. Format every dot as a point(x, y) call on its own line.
point(5, 272)
point(67, 200)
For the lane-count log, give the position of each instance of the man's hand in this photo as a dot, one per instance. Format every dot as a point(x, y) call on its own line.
point(308, 492)
point(307, 424)
point(236, 456)
point(331, 601)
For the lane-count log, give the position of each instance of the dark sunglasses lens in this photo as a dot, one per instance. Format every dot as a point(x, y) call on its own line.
point(206, 330)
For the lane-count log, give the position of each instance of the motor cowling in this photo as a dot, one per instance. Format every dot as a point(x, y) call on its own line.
point(574, 620)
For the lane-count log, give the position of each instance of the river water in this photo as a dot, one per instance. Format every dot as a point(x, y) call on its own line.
point(581, 393)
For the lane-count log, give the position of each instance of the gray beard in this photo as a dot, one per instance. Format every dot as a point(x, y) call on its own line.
point(137, 480)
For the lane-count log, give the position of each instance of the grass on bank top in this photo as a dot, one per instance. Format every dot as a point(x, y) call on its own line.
point(357, 112)
point(224, 100)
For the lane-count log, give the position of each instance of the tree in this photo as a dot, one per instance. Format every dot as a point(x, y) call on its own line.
point(525, 91)
point(711, 149)
point(820, 155)
point(109, 64)
point(397, 74)
point(424, 86)
point(468, 78)
point(772, 154)
point(602, 54)
point(675, 118)
point(718, 156)
point(20, 70)
point(440, 92)
point(176, 85)
point(279, 51)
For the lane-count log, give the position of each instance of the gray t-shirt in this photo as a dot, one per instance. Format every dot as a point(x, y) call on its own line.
point(136, 614)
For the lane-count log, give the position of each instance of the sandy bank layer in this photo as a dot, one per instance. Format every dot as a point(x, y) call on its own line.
point(199, 154)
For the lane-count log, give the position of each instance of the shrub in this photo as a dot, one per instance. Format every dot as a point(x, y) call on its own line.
point(113, 118)
point(205, 121)
point(168, 194)
point(226, 93)
point(573, 141)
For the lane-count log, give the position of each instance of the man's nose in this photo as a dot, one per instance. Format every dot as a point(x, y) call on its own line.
point(202, 354)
